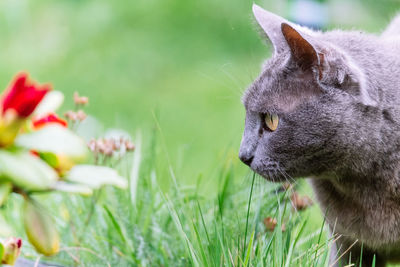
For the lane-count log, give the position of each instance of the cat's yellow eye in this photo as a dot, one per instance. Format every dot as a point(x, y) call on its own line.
point(271, 121)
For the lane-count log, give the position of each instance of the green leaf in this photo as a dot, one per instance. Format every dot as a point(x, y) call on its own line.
point(95, 176)
point(5, 228)
point(5, 190)
point(54, 139)
point(26, 170)
point(49, 158)
point(1, 250)
point(73, 188)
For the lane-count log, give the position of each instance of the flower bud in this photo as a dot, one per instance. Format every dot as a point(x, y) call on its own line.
point(71, 115)
point(300, 202)
point(81, 115)
point(40, 229)
point(129, 145)
point(80, 100)
point(12, 249)
point(10, 125)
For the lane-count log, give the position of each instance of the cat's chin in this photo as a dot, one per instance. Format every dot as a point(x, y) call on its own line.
point(272, 177)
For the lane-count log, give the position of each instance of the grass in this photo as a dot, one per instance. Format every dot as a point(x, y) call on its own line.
point(183, 225)
point(176, 70)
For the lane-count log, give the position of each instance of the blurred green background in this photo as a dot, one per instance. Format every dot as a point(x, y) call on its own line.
point(178, 66)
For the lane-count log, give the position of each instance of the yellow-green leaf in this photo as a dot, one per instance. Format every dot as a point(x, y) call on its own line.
point(5, 190)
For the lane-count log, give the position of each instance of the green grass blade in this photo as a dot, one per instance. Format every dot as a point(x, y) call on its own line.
point(134, 174)
point(248, 213)
point(202, 252)
point(115, 223)
point(293, 245)
point(179, 227)
point(249, 248)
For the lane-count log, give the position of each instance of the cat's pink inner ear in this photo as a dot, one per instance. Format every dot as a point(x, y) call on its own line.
point(302, 51)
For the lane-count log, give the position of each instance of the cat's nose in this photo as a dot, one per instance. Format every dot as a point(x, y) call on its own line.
point(246, 159)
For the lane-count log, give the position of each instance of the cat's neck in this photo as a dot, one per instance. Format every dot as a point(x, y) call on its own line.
point(360, 209)
point(357, 188)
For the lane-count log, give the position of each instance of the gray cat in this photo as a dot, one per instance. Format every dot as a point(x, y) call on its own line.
point(327, 106)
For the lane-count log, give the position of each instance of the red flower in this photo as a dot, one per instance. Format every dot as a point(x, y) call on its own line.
point(34, 153)
point(23, 96)
point(51, 118)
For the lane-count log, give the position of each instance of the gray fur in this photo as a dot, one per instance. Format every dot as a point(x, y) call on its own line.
point(393, 28)
point(339, 124)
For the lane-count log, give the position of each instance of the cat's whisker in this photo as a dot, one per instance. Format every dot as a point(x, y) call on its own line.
point(284, 173)
point(291, 188)
point(287, 178)
point(239, 85)
point(257, 181)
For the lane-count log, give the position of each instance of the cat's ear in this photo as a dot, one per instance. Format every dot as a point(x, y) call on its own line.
point(303, 53)
point(285, 38)
point(271, 25)
point(332, 67)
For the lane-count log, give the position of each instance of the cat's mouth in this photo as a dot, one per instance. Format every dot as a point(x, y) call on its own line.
point(271, 172)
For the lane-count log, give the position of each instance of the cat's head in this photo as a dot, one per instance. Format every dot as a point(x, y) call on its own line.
point(304, 110)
